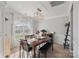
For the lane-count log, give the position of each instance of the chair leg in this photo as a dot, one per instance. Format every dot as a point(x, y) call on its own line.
point(52, 48)
point(38, 54)
point(20, 51)
point(27, 54)
point(45, 55)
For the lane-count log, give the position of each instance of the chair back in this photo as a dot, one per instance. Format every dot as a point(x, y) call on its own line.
point(24, 44)
point(51, 36)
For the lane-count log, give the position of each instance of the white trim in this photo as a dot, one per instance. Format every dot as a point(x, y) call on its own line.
point(70, 6)
point(53, 17)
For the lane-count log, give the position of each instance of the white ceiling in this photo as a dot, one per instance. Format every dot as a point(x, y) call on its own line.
point(29, 8)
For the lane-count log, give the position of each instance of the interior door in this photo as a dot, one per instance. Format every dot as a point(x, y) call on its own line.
point(1, 33)
point(8, 33)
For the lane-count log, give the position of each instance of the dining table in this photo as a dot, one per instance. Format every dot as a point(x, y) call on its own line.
point(34, 43)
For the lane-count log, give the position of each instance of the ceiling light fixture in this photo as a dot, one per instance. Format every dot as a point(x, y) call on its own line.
point(39, 14)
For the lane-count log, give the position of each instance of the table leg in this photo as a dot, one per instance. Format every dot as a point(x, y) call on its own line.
point(34, 53)
point(52, 47)
point(20, 51)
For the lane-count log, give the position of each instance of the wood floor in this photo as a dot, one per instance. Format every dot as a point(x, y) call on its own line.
point(58, 52)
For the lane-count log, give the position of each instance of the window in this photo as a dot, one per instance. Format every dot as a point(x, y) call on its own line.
point(22, 29)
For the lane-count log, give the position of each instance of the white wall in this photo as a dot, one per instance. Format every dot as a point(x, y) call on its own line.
point(56, 25)
point(76, 29)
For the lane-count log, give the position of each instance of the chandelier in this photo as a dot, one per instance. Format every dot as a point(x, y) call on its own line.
point(39, 14)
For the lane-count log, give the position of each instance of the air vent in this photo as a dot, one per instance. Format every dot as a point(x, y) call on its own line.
point(56, 3)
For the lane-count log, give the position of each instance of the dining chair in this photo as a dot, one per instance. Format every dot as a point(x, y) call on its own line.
point(44, 49)
point(24, 46)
